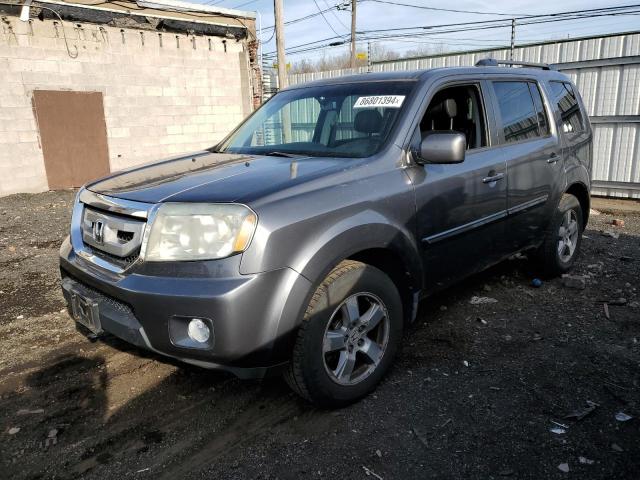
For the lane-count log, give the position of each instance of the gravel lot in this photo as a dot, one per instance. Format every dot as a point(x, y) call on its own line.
point(473, 394)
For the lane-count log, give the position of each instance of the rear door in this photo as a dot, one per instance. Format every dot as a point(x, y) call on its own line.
point(532, 153)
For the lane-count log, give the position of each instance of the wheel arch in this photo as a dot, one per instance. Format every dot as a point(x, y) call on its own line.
point(392, 264)
point(581, 192)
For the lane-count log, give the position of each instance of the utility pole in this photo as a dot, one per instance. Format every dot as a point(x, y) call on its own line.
point(368, 56)
point(353, 33)
point(513, 38)
point(282, 61)
point(282, 69)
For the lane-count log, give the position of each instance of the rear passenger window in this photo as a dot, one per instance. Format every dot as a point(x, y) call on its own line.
point(565, 98)
point(519, 116)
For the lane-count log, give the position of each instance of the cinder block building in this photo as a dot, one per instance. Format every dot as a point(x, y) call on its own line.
point(87, 88)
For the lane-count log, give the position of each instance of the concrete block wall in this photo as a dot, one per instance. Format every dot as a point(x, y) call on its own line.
point(163, 93)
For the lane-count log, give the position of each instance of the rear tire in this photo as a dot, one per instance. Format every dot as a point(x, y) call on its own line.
point(348, 338)
point(563, 237)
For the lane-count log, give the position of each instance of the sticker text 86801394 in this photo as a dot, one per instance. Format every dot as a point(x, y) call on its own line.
point(384, 101)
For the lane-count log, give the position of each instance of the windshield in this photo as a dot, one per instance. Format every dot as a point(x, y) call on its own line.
point(349, 120)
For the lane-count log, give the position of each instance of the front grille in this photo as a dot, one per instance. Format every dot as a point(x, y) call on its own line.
point(122, 262)
point(112, 237)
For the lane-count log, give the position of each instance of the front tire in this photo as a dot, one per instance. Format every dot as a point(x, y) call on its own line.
point(348, 337)
point(561, 244)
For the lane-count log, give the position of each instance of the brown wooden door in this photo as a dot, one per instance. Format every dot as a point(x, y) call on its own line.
point(73, 134)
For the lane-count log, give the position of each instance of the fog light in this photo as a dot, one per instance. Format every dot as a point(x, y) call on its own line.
point(198, 331)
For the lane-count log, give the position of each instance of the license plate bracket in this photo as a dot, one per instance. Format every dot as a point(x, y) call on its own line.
point(85, 311)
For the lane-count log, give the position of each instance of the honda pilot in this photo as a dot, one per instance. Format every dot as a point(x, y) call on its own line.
point(302, 243)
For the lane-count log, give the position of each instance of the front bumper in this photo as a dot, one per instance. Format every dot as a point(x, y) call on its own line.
point(254, 317)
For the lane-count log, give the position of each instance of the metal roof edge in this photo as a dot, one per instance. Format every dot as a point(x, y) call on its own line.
point(506, 47)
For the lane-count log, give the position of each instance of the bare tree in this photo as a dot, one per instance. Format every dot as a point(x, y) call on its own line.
point(379, 53)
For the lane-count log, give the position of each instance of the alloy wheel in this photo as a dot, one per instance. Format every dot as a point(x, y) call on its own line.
point(355, 338)
point(568, 236)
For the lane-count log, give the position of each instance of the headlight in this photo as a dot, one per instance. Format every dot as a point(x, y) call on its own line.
point(197, 231)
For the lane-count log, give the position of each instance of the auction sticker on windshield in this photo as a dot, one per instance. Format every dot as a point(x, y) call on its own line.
point(386, 101)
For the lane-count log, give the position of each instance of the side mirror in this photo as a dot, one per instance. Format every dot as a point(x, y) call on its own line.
point(442, 147)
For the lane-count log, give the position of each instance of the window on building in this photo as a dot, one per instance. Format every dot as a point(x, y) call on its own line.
point(565, 98)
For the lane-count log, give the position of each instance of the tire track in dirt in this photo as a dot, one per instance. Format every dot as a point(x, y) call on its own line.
point(249, 424)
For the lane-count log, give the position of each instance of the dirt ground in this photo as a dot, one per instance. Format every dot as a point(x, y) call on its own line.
point(474, 393)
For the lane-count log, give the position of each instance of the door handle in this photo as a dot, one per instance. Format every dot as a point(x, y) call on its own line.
point(493, 178)
point(553, 158)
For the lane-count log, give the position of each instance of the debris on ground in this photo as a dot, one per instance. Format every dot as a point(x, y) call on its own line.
point(25, 411)
point(618, 301)
point(618, 222)
point(594, 212)
point(481, 320)
point(616, 448)
point(370, 472)
point(465, 363)
point(558, 430)
point(581, 413)
point(52, 438)
point(564, 467)
point(536, 283)
point(586, 461)
point(482, 300)
point(606, 310)
point(420, 436)
point(609, 233)
point(574, 281)
point(14, 430)
point(623, 417)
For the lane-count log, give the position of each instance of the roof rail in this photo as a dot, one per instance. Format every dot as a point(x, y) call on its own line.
point(492, 62)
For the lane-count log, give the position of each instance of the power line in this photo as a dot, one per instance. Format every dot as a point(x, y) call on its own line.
point(302, 19)
point(325, 19)
point(470, 26)
point(422, 7)
point(335, 15)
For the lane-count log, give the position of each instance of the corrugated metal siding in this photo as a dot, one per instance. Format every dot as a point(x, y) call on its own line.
point(608, 91)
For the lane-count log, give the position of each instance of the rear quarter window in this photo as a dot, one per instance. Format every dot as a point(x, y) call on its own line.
point(564, 97)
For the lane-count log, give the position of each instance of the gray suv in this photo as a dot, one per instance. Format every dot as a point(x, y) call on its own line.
point(303, 242)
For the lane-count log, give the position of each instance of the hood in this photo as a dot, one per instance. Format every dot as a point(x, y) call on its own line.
point(214, 177)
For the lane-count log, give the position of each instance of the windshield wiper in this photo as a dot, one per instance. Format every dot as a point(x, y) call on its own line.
point(281, 154)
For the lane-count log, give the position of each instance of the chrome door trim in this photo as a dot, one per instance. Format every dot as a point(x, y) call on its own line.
point(465, 228)
point(527, 205)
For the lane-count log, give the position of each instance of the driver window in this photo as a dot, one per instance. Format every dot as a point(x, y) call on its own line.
point(457, 109)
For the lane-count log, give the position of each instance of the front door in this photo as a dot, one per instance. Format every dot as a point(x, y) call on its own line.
point(460, 208)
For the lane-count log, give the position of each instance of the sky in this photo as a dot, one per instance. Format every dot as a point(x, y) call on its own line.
point(372, 14)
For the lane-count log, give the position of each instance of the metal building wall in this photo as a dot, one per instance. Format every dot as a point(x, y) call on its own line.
point(606, 70)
